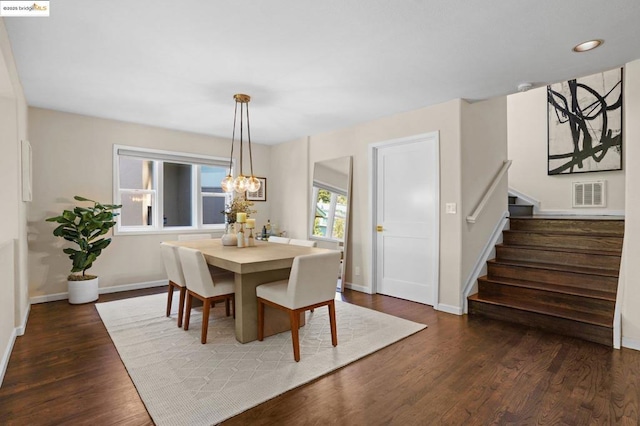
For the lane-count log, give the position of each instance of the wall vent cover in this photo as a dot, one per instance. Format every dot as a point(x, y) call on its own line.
point(589, 194)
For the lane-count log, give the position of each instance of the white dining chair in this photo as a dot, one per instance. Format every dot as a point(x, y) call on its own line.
point(202, 286)
point(311, 284)
point(173, 267)
point(193, 237)
point(279, 240)
point(304, 243)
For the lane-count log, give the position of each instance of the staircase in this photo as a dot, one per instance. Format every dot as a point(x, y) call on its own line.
point(518, 209)
point(558, 274)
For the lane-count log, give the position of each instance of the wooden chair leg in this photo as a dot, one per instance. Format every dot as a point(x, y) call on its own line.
point(260, 320)
point(233, 305)
point(169, 299)
point(294, 319)
point(187, 311)
point(206, 308)
point(332, 321)
point(227, 306)
point(183, 292)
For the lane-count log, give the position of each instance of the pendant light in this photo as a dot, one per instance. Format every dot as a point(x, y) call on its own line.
point(241, 183)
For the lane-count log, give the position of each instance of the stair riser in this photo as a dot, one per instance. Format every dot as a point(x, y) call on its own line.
point(563, 241)
point(488, 289)
point(615, 227)
point(512, 199)
point(593, 333)
point(516, 210)
point(594, 282)
point(558, 258)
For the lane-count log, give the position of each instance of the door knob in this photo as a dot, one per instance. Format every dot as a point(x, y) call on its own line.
point(379, 228)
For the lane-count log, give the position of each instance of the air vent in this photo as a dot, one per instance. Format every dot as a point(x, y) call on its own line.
point(589, 194)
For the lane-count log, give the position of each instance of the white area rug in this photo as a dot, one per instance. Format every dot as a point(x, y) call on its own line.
point(183, 382)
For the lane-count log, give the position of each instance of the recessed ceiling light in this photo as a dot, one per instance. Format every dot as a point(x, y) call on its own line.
point(588, 45)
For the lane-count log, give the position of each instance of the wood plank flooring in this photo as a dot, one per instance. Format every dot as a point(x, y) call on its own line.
point(460, 370)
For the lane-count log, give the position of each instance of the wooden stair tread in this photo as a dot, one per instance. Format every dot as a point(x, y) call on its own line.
point(541, 308)
point(555, 267)
point(575, 291)
point(577, 217)
point(598, 252)
point(565, 233)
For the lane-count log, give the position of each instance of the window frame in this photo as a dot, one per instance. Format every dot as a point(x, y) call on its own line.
point(159, 157)
point(331, 214)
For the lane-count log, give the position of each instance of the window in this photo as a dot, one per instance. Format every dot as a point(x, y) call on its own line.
point(330, 214)
point(167, 191)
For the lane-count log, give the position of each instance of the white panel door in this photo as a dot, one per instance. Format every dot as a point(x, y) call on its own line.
point(407, 206)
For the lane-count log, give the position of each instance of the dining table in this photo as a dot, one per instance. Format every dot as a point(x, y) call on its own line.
point(265, 262)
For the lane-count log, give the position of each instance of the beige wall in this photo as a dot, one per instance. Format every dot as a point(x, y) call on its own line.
point(290, 179)
point(484, 150)
point(72, 155)
point(355, 142)
point(478, 128)
point(527, 134)
point(13, 272)
point(631, 290)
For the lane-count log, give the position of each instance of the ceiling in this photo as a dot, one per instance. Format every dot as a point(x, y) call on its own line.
point(310, 66)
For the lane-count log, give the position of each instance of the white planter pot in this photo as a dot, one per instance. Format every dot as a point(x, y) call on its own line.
point(83, 291)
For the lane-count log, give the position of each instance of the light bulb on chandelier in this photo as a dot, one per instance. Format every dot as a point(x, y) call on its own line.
point(241, 183)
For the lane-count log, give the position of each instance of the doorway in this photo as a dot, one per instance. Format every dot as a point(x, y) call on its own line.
point(405, 207)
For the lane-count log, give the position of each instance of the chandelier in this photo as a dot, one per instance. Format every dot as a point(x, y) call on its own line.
point(241, 183)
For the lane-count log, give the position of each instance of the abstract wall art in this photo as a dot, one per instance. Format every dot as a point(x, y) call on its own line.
point(584, 119)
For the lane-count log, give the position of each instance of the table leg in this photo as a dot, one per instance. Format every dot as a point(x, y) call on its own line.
point(276, 321)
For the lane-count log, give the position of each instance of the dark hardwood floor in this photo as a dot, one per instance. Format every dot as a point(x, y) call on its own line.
point(460, 370)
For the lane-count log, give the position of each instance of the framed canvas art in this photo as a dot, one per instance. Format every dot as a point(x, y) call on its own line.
point(584, 124)
point(260, 194)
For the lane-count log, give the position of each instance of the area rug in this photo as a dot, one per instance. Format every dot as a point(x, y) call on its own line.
point(183, 382)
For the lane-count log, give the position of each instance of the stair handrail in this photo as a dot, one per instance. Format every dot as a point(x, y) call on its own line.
point(489, 192)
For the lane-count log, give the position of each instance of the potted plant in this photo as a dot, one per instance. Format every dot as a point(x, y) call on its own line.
point(238, 205)
point(85, 227)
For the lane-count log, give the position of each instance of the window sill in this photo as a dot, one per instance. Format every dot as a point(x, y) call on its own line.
point(215, 231)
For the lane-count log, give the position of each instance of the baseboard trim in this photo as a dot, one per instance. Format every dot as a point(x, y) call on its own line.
point(481, 262)
point(630, 343)
point(358, 287)
point(4, 363)
point(105, 290)
point(23, 325)
point(134, 286)
point(455, 310)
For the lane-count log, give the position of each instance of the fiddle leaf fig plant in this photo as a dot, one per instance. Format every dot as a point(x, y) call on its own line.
point(85, 226)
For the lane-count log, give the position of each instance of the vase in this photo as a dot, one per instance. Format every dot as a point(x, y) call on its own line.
point(229, 238)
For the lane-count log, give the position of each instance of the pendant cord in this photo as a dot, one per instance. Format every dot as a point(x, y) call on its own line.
point(233, 137)
point(249, 140)
point(241, 131)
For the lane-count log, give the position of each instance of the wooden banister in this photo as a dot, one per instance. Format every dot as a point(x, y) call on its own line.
point(489, 192)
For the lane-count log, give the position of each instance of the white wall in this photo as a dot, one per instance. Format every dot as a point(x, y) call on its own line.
point(631, 290)
point(13, 277)
point(72, 155)
point(527, 136)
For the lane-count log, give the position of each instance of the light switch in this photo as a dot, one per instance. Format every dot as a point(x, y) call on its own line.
point(450, 208)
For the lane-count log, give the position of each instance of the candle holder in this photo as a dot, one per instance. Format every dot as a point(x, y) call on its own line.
point(251, 241)
point(240, 235)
